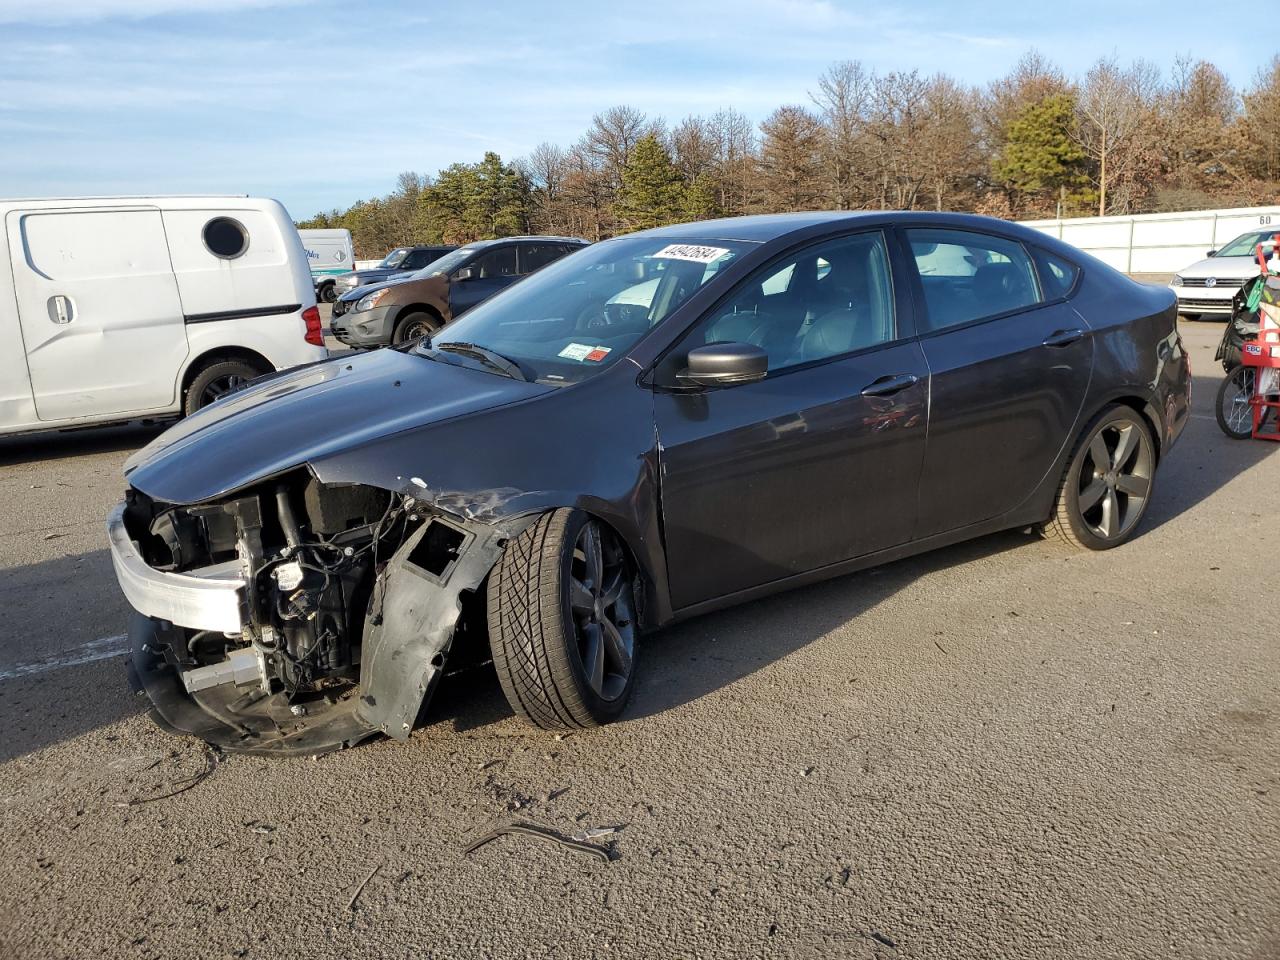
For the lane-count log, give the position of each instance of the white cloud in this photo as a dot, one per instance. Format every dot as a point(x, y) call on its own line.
point(81, 11)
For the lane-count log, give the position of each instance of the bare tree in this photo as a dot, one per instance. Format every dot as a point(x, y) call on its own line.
point(546, 168)
point(790, 160)
point(843, 99)
point(1113, 105)
point(896, 130)
point(735, 160)
point(1260, 128)
point(949, 151)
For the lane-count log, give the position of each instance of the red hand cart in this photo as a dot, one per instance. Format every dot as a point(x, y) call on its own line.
point(1262, 356)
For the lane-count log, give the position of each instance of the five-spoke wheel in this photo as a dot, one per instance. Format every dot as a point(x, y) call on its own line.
point(1107, 485)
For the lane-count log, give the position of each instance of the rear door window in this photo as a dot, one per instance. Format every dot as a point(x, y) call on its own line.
point(496, 263)
point(534, 256)
point(417, 259)
point(969, 276)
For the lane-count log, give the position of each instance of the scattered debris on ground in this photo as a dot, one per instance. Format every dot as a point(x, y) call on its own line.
point(547, 834)
point(211, 760)
point(351, 904)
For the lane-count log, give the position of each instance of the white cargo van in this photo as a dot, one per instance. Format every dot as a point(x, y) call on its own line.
point(329, 253)
point(130, 307)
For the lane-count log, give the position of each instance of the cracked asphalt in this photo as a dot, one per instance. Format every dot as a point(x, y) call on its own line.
point(1002, 749)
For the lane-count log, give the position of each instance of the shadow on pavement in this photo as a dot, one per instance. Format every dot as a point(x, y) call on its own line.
point(62, 444)
point(1204, 460)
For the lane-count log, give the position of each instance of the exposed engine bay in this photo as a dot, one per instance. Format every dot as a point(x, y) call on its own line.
point(296, 616)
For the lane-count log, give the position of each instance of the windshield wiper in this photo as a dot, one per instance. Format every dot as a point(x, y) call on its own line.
point(490, 358)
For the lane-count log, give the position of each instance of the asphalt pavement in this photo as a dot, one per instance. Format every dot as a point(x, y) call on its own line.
point(1002, 749)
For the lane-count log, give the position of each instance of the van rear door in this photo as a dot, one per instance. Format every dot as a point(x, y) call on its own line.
point(99, 309)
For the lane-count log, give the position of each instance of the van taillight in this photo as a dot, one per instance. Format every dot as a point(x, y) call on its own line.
point(311, 317)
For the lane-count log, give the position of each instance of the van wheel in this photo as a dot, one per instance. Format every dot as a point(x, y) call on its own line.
point(415, 325)
point(328, 294)
point(216, 381)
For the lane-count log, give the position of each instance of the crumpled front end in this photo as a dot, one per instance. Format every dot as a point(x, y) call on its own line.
point(295, 616)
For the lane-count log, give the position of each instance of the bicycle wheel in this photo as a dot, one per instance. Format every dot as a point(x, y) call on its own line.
point(1235, 414)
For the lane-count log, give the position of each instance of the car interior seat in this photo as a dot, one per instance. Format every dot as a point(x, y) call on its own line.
point(999, 287)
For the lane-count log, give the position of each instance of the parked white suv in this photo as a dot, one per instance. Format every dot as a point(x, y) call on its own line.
point(1207, 286)
point(121, 308)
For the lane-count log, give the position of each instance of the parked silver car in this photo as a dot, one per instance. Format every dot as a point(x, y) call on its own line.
point(1207, 286)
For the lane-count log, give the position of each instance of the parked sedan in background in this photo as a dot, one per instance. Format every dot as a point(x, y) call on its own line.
point(659, 425)
point(400, 262)
point(403, 309)
point(1207, 286)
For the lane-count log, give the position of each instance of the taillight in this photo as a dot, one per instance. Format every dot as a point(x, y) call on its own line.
point(314, 334)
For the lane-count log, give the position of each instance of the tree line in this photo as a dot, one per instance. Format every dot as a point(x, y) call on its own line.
point(1121, 139)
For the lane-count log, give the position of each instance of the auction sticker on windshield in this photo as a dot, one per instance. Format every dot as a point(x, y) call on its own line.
point(691, 251)
point(583, 351)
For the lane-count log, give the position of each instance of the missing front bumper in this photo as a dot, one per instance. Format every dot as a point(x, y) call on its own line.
point(235, 718)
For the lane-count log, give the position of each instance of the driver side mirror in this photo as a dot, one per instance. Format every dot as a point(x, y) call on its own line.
point(467, 273)
point(1212, 253)
point(724, 364)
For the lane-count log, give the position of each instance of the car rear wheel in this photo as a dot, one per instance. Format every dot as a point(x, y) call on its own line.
point(562, 622)
point(1235, 413)
point(413, 326)
point(217, 380)
point(1108, 482)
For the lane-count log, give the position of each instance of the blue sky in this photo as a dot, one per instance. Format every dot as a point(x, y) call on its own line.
point(322, 102)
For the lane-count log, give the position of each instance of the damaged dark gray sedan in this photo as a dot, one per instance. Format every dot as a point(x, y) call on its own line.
point(654, 427)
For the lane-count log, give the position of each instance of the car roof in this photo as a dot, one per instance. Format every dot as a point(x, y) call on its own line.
point(526, 238)
point(763, 228)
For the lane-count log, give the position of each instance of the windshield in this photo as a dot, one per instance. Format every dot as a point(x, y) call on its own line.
point(1246, 244)
point(446, 264)
point(393, 258)
point(578, 315)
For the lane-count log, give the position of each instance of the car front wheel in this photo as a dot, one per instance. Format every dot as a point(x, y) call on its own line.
point(562, 622)
point(1107, 485)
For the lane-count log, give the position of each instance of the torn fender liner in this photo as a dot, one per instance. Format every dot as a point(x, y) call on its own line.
point(415, 607)
point(228, 717)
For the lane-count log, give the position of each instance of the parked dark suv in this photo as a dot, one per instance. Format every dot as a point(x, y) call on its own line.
point(400, 262)
point(402, 309)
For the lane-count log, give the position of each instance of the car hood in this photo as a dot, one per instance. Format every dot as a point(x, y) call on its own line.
point(1234, 267)
point(373, 286)
point(374, 274)
point(310, 413)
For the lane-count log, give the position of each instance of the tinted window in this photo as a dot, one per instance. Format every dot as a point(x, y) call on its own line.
point(496, 263)
point(967, 276)
point(1057, 276)
point(536, 255)
point(417, 259)
point(226, 238)
point(830, 299)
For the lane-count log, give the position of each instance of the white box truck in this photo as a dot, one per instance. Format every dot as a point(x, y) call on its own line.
point(122, 308)
point(329, 253)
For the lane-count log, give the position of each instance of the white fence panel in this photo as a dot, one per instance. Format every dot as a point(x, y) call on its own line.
point(1157, 242)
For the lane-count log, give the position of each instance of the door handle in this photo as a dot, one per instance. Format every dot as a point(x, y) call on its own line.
point(60, 309)
point(1063, 338)
point(887, 386)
